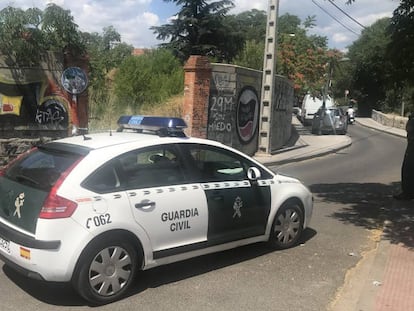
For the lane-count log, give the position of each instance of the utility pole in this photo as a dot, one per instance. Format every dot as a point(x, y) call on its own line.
point(268, 85)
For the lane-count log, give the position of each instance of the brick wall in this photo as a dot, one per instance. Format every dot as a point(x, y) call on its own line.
point(222, 103)
point(196, 94)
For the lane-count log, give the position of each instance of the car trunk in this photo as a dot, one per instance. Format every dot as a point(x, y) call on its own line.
point(26, 183)
point(20, 204)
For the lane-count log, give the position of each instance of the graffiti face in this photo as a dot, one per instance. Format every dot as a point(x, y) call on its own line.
point(247, 114)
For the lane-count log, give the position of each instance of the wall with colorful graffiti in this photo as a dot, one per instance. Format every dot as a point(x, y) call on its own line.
point(234, 108)
point(33, 99)
point(34, 105)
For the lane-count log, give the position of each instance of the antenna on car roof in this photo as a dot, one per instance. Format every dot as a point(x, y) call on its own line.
point(83, 131)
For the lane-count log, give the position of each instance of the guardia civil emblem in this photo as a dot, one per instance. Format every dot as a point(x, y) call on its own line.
point(18, 203)
point(238, 204)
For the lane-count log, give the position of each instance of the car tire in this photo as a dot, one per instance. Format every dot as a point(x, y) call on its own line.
point(106, 270)
point(287, 225)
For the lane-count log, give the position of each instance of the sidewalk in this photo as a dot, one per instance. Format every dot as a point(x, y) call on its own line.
point(306, 146)
point(383, 280)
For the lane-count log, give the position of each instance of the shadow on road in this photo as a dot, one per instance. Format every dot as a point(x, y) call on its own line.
point(372, 206)
point(62, 294)
point(52, 293)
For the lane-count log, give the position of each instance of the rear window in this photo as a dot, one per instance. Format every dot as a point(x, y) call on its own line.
point(40, 168)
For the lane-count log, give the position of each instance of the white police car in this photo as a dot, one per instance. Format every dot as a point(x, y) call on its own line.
point(94, 209)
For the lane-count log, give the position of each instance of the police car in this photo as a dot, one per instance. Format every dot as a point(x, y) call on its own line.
point(94, 209)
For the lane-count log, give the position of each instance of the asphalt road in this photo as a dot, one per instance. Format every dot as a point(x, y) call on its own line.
point(351, 189)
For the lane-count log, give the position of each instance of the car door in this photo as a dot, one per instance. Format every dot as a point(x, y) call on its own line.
point(237, 207)
point(172, 210)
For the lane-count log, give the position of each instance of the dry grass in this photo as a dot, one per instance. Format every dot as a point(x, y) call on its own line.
point(171, 108)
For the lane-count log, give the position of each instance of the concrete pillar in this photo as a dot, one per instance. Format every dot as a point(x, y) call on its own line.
point(196, 95)
point(266, 122)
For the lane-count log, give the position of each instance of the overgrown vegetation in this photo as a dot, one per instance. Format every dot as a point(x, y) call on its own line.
point(25, 35)
point(378, 72)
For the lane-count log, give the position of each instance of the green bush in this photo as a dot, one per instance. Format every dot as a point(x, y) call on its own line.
point(146, 80)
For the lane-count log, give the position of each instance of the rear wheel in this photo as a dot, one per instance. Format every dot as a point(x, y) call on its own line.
point(106, 270)
point(287, 226)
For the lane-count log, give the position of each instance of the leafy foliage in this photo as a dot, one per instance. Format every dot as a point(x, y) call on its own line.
point(147, 80)
point(199, 29)
point(251, 24)
point(381, 70)
point(401, 51)
point(251, 56)
point(25, 35)
point(372, 69)
point(106, 52)
point(300, 57)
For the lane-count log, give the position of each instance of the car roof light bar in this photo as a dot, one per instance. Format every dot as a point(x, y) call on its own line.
point(163, 126)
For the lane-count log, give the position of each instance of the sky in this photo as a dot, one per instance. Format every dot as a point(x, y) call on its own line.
point(133, 18)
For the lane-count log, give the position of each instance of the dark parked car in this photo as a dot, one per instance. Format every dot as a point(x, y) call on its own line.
point(332, 120)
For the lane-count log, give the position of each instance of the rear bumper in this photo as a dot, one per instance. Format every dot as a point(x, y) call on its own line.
point(20, 269)
point(27, 240)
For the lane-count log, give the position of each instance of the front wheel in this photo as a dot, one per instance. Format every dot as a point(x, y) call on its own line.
point(287, 226)
point(105, 271)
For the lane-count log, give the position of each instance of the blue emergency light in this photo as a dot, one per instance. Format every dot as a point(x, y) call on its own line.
point(163, 126)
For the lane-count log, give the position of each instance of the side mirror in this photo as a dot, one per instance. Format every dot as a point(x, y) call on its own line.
point(253, 173)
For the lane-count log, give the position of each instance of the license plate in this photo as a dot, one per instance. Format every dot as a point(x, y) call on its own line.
point(4, 245)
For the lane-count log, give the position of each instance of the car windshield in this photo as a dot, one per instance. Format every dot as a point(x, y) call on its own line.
point(40, 168)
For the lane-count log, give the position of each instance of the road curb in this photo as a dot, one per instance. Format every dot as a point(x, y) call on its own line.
point(312, 155)
point(387, 130)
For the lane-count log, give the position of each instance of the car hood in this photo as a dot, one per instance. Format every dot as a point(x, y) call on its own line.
point(283, 179)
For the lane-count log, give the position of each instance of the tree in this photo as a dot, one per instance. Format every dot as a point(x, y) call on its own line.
point(300, 57)
point(25, 35)
point(400, 51)
point(303, 58)
point(106, 52)
point(373, 70)
point(251, 24)
point(401, 47)
point(251, 56)
point(252, 27)
point(198, 29)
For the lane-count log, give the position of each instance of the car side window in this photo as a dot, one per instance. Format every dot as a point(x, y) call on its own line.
point(212, 164)
point(142, 168)
point(151, 167)
point(104, 179)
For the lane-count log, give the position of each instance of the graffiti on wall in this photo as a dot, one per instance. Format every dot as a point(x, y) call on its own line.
point(233, 110)
point(247, 114)
point(52, 114)
point(221, 107)
point(33, 97)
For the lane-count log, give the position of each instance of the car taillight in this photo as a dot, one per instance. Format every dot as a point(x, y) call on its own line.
point(56, 206)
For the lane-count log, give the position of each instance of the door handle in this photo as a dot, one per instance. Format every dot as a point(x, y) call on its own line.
point(145, 205)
